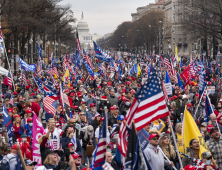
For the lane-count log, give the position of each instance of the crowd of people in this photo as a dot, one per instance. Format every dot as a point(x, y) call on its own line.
point(72, 133)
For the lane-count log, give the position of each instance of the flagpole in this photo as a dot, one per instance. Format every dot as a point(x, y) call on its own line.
point(174, 140)
point(20, 155)
point(167, 158)
point(212, 110)
point(199, 104)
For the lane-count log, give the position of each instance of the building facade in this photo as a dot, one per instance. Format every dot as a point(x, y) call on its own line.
point(86, 39)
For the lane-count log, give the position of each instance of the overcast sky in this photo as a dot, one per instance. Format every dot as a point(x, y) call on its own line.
point(103, 16)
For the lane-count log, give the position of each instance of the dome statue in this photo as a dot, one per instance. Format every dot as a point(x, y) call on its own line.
point(82, 26)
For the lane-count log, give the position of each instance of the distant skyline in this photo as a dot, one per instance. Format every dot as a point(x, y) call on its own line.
point(104, 16)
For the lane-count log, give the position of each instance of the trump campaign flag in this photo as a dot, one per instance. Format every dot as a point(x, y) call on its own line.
point(191, 131)
point(202, 77)
point(26, 66)
point(179, 82)
point(7, 122)
point(185, 75)
point(36, 134)
point(101, 55)
point(168, 84)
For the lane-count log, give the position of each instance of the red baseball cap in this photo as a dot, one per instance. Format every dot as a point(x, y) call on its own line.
point(29, 119)
point(70, 144)
point(92, 104)
point(27, 87)
point(14, 147)
point(75, 107)
point(15, 93)
point(189, 167)
point(123, 98)
point(15, 116)
point(28, 111)
point(111, 108)
point(10, 110)
point(24, 106)
point(82, 102)
point(72, 94)
point(102, 119)
point(189, 104)
point(197, 95)
point(153, 135)
point(76, 155)
point(209, 127)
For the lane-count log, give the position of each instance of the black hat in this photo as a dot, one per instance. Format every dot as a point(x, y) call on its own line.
point(212, 130)
point(28, 162)
point(49, 151)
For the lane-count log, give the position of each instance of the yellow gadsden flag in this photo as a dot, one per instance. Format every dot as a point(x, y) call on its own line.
point(139, 70)
point(191, 131)
point(66, 77)
point(176, 53)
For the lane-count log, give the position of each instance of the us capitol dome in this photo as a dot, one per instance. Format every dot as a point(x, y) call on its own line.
point(86, 39)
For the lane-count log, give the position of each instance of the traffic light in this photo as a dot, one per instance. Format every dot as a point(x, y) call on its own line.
point(168, 41)
point(119, 45)
point(9, 51)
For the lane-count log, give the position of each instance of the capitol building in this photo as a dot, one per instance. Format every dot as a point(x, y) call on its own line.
point(86, 39)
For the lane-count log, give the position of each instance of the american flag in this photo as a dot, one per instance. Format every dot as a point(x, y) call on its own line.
point(55, 71)
point(99, 156)
point(151, 102)
point(11, 100)
point(24, 78)
point(9, 79)
point(192, 71)
point(165, 92)
point(39, 69)
point(64, 65)
point(171, 71)
point(78, 44)
point(50, 104)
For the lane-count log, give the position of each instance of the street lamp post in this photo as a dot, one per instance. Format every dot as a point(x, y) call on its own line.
point(48, 43)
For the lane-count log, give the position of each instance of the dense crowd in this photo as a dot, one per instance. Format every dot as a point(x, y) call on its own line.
point(71, 134)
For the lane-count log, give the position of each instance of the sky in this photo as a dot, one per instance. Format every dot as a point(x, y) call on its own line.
point(103, 16)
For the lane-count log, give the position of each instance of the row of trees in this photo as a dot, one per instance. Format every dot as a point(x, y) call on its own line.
point(23, 20)
point(143, 34)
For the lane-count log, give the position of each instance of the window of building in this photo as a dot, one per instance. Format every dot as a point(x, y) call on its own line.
point(180, 41)
point(185, 48)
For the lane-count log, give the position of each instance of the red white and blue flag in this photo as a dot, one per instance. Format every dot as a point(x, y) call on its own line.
point(9, 79)
point(51, 104)
point(99, 157)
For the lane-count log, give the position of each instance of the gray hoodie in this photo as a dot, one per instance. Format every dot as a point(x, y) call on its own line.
point(156, 160)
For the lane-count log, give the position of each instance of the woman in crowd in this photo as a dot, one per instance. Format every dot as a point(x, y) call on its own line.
point(82, 119)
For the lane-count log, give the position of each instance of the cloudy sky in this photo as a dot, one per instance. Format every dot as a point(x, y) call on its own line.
point(103, 16)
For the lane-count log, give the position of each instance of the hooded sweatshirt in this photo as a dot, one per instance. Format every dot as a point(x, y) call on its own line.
point(156, 160)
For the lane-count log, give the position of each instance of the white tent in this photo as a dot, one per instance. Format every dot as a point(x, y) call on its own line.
point(3, 71)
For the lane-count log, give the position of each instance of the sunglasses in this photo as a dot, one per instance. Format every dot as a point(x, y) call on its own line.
point(166, 138)
point(155, 139)
point(72, 122)
point(82, 114)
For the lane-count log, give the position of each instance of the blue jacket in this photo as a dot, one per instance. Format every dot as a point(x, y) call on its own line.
point(66, 140)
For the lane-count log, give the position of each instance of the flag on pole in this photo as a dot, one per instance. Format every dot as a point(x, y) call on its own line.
point(179, 82)
point(99, 157)
point(78, 43)
point(202, 77)
point(19, 165)
point(168, 84)
point(9, 79)
point(50, 104)
point(7, 122)
point(191, 131)
point(208, 109)
point(176, 53)
point(192, 71)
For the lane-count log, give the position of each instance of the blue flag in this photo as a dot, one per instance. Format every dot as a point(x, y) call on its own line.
point(168, 82)
point(179, 82)
point(78, 59)
point(89, 69)
point(101, 55)
point(19, 165)
point(26, 66)
point(120, 72)
point(208, 109)
point(7, 122)
point(202, 78)
point(39, 51)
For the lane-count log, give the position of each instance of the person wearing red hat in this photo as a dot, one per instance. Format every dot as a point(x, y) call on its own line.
point(34, 106)
point(218, 112)
point(27, 92)
point(11, 157)
point(91, 114)
point(153, 155)
point(179, 101)
point(103, 106)
point(10, 112)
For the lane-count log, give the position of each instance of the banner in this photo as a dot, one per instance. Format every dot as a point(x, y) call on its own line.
point(26, 66)
point(211, 90)
point(185, 75)
point(7, 122)
point(36, 134)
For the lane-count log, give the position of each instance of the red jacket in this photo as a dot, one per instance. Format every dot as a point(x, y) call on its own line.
point(16, 131)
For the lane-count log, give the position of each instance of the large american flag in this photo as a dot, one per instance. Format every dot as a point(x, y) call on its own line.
point(148, 106)
point(171, 71)
point(9, 79)
point(99, 156)
point(78, 44)
point(50, 104)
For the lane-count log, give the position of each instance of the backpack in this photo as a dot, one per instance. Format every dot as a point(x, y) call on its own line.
point(5, 166)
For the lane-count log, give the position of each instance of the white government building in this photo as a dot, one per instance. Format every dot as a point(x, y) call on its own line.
point(86, 39)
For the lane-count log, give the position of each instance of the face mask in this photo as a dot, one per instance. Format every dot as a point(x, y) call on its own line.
point(203, 129)
point(30, 124)
point(208, 162)
point(127, 103)
point(24, 140)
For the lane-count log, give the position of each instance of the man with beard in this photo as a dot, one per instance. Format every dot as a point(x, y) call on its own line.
point(215, 145)
point(91, 114)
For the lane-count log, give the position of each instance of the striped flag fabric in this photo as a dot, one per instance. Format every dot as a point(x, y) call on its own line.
point(50, 104)
point(1, 37)
point(192, 71)
point(151, 102)
point(99, 156)
point(55, 71)
point(11, 100)
point(89, 69)
point(9, 79)
point(78, 44)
